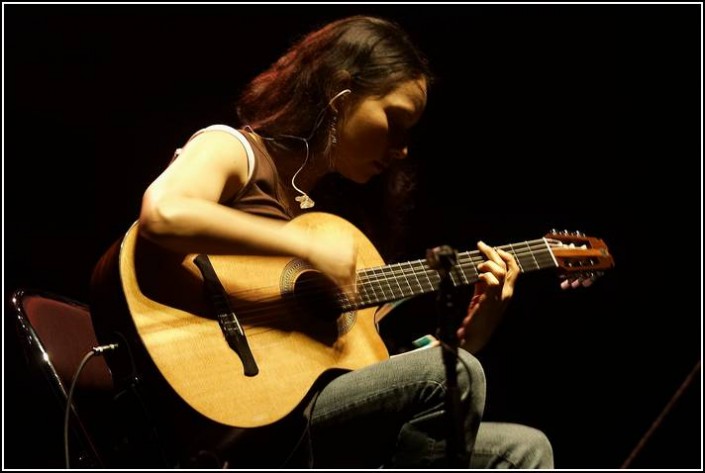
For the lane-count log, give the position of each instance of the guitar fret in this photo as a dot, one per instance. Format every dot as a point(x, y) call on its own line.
point(396, 279)
point(362, 287)
point(384, 271)
point(406, 283)
point(463, 275)
point(420, 289)
point(453, 277)
point(525, 262)
point(544, 256)
point(466, 262)
point(516, 257)
point(538, 257)
point(546, 259)
point(433, 284)
point(533, 255)
point(419, 270)
point(379, 283)
point(465, 259)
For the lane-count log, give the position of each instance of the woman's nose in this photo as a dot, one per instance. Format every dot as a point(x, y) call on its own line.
point(400, 153)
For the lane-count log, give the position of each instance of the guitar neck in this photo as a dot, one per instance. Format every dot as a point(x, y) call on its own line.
point(381, 284)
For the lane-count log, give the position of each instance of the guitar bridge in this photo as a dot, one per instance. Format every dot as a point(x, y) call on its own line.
point(229, 324)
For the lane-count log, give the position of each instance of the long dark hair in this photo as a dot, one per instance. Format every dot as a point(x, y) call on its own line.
point(368, 55)
point(371, 56)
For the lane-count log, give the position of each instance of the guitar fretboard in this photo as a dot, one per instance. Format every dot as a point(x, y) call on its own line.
point(380, 284)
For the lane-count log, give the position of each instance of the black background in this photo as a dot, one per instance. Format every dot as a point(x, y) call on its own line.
point(584, 117)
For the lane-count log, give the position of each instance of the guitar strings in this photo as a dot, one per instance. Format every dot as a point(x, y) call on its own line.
point(372, 275)
point(376, 275)
point(379, 274)
point(471, 257)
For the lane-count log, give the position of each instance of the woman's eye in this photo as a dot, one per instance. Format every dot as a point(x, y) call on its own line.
point(395, 129)
point(398, 134)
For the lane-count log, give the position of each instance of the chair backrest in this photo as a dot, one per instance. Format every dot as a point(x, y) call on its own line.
point(56, 333)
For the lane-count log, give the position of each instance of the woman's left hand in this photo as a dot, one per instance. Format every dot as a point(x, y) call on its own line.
point(493, 291)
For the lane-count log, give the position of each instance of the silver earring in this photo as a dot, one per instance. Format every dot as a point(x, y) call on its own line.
point(334, 130)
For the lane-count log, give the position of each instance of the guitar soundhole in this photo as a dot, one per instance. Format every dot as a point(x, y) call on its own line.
point(318, 296)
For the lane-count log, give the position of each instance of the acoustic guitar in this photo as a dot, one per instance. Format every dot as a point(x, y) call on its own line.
point(242, 339)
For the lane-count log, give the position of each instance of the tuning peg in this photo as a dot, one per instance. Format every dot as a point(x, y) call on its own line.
point(593, 277)
point(570, 283)
point(584, 280)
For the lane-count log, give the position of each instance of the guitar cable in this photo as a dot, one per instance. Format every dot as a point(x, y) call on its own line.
point(99, 350)
point(132, 389)
point(308, 412)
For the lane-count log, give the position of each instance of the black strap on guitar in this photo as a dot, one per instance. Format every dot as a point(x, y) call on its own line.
point(232, 330)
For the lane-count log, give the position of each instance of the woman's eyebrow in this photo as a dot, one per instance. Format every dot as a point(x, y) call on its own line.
point(405, 113)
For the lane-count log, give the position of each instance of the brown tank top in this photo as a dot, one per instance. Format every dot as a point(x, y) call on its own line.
point(262, 194)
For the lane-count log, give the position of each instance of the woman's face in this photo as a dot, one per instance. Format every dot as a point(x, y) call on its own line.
point(375, 130)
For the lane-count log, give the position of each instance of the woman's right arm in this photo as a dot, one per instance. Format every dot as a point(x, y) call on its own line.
point(182, 210)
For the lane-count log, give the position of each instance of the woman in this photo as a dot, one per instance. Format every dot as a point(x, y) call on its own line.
point(342, 100)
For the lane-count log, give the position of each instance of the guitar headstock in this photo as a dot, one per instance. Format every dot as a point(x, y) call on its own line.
point(580, 258)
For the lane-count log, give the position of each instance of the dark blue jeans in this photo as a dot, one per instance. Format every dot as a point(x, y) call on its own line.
point(392, 414)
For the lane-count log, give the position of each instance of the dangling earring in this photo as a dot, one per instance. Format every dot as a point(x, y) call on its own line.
point(334, 130)
point(332, 140)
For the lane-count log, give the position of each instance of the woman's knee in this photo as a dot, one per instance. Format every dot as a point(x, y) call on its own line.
point(507, 445)
point(538, 448)
point(471, 381)
point(428, 365)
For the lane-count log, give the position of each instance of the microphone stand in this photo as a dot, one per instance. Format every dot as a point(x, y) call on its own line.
point(443, 259)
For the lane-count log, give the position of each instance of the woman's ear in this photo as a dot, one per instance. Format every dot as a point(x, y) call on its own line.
point(344, 80)
point(337, 100)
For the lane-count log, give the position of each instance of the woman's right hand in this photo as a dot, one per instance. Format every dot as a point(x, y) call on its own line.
point(335, 255)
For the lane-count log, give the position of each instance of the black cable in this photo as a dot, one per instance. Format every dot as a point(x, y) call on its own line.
point(99, 350)
point(308, 413)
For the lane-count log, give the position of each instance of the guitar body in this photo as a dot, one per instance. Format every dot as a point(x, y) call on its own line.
point(156, 302)
point(293, 343)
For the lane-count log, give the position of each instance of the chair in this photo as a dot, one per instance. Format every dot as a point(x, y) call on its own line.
point(56, 333)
